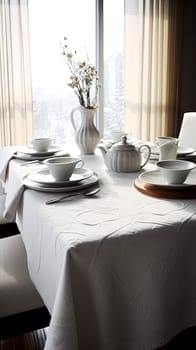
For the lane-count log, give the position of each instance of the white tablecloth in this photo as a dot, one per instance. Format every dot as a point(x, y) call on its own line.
point(118, 271)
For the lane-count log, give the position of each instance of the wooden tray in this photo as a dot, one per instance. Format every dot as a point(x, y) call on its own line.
point(188, 192)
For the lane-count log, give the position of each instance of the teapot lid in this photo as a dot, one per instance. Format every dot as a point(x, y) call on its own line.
point(123, 145)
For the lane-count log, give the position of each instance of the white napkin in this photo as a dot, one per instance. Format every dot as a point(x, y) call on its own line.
point(2, 204)
point(3, 174)
point(10, 209)
point(17, 188)
point(4, 168)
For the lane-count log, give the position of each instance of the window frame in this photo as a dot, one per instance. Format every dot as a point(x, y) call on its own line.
point(100, 62)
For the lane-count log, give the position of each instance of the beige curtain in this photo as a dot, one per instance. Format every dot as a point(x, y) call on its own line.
point(152, 66)
point(15, 77)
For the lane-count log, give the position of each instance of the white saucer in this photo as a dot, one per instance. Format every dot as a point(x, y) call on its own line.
point(78, 186)
point(180, 152)
point(32, 152)
point(23, 156)
point(44, 177)
point(154, 178)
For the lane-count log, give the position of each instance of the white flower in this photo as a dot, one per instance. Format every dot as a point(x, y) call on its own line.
point(84, 78)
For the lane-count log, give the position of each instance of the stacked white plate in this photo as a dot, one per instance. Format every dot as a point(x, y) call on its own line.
point(155, 178)
point(43, 181)
point(28, 153)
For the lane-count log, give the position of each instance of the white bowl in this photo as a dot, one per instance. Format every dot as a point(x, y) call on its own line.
point(117, 134)
point(175, 171)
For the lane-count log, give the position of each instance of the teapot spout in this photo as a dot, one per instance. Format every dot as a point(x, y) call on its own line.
point(103, 150)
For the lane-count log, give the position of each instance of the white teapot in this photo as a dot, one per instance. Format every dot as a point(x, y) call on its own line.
point(124, 156)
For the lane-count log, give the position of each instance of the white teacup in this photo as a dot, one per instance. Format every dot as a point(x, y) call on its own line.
point(117, 134)
point(168, 147)
point(160, 140)
point(62, 168)
point(42, 144)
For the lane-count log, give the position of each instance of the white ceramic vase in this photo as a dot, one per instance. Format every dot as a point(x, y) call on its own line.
point(87, 135)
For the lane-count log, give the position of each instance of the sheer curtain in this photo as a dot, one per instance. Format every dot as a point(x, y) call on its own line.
point(152, 66)
point(15, 76)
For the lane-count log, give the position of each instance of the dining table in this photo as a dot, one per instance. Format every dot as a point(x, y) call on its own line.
point(117, 271)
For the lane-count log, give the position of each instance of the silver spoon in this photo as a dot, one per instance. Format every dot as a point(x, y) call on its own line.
point(32, 162)
point(88, 193)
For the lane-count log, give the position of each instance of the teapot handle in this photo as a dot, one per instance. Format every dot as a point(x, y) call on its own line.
point(148, 156)
point(72, 117)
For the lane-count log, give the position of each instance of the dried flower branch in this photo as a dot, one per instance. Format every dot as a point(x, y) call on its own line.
point(84, 77)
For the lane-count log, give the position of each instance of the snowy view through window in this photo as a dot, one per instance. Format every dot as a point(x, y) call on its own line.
point(53, 100)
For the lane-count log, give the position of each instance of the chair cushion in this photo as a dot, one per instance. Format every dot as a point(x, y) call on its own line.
point(17, 292)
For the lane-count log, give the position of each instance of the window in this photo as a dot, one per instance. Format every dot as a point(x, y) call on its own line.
point(113, 65)
point(50, 21)
point(52, 98)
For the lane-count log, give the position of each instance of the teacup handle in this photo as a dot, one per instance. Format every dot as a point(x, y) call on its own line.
point(72, 117)
point(80, 164)
point(149, 153)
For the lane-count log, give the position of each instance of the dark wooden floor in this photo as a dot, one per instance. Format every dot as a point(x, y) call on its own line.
point(29, 341)
point(36, 340)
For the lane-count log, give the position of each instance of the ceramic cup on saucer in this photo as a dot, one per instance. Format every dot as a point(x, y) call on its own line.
point(42, 144)
point(167, 147)
point(62, 168)
point(116, 135)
